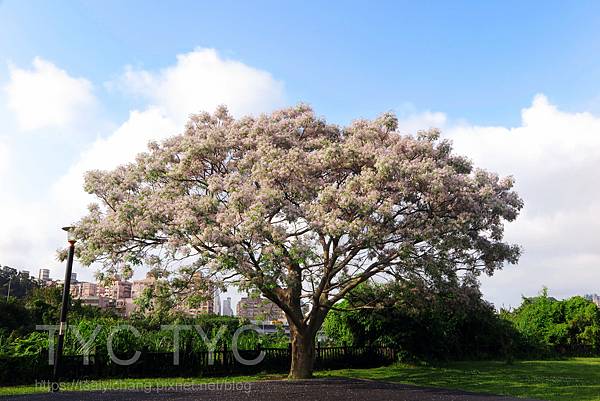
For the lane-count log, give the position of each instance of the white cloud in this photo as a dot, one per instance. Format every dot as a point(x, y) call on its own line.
point(4, 159)
point(34, 225)
point(410, 124)
point(26, 232)
point(121, 147)
point(202, 80)
point(25, 241)
point(555, 158)
point(47, 96)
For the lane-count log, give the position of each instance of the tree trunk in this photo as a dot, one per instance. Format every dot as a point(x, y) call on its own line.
point(303, 354)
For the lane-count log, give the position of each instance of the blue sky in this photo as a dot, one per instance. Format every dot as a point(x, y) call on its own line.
point(474, 60)
point(516, 86)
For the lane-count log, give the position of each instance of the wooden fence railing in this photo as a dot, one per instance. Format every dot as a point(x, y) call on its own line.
point(28, 369)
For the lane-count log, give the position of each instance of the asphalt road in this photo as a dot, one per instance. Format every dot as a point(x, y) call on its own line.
point(311, 390)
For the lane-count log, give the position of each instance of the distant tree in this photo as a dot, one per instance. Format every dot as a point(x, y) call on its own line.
point(44, 304)
point(302, 210)
point(570, 326)
point(337, 326)
point(14, 317)
point(20, 284)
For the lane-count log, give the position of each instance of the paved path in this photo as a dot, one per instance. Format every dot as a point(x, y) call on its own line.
point(312, 390)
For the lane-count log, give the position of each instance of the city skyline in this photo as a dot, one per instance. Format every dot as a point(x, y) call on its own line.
point(92, 292)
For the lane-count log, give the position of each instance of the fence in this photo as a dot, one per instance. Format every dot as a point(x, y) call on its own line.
point(27, 369)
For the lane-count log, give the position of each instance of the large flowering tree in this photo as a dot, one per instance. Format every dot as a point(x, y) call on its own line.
point(301, 210)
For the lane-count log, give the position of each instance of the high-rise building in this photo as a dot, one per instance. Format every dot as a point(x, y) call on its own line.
point(115, 295)
point(139, 286)
point(97, 302)
point(227, 310)
point(258, 308)
point(75, 290)
point(87, 293)
point(117, 289)
point(44, 275)
point(217, 302)
point(89, 290)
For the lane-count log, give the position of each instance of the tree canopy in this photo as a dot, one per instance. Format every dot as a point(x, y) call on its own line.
point(300, 209)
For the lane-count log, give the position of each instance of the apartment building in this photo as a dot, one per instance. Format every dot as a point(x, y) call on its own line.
point(259, 308)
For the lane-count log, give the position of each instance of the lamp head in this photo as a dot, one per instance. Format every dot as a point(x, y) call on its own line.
point(70, 234)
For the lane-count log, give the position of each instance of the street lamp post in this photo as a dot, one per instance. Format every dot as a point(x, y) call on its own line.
point(55, 387)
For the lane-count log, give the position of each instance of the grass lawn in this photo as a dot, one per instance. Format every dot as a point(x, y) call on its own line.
point(576, 379)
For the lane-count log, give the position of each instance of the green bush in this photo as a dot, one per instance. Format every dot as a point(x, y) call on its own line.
point(448, 322)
